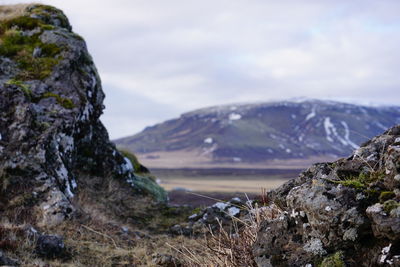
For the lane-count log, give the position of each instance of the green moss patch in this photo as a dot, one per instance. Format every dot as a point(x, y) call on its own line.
point(23, 22)
point(24, 87)
point(49, 14)
point(386, 195)
point(334, 260)
point(390, 205)
point(362, 181)
point(20, 46)
point(148, 186)
point(64, 102)
point(354, 183)
point(143, 180)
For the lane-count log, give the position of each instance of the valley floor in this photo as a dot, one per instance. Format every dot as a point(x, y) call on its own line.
point(230, 181)
point(196, 159)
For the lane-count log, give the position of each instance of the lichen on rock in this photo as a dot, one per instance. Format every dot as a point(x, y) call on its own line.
point(351, 205)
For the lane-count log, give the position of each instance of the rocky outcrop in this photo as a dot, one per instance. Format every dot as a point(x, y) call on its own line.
point(53, 147)
point(345, 212)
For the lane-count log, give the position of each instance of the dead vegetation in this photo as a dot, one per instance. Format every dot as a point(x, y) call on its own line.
point(92, 243)
point(229, 247)
point(12, 11)
point(93, 239)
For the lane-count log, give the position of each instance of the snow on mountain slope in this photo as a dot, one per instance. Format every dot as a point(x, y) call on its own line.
point(266, 131)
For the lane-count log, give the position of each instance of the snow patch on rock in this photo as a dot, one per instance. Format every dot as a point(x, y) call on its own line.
point(312, 114)
point(221, 205)
point(347, 135)
point(234, 116)
point(328, 128)
point(208, 140)
point(233, 211)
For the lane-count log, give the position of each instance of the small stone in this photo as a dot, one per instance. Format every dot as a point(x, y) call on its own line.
point(165, 260)
point(350, 234)
point(360, 196)
point(6, 261)
point(315, 247)
point(376, 208)
point(37, 52)
point(328, 208)
point(395, 213)
point(50, 246)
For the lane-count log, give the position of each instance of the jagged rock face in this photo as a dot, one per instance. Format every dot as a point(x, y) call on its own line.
point(50, 133)
point(349, 208)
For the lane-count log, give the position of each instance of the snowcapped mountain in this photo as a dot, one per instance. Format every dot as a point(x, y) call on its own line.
point(266, 131)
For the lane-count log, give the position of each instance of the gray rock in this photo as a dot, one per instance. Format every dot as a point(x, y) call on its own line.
point(37, 52)
point(52, 140)
point(334, 207)
point(165, 260)
point(6, 261)
point(384, 225)
point(50, 246)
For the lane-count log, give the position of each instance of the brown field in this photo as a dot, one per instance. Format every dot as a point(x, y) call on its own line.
point(223, 179)
point(224, 185)
point(199, 187)
point(196, 159)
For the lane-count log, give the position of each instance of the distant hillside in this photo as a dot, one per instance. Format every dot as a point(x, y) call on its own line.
point(250, 133)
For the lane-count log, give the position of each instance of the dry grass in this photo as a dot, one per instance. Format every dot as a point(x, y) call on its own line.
point(222, 185)
point(17, 240)
point(95, 240)
point(11, 11)
point(230, 248)
point(197, 159)
point(91, 244)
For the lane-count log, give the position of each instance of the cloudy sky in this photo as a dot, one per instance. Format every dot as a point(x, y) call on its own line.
point(160, 58)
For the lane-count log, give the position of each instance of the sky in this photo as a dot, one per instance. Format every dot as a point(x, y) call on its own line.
point(158, 59)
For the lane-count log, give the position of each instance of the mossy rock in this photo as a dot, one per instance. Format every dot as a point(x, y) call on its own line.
point(362, 181)
point(143, 179)
point(390, 205)
point(51, 15)
point(149, 186)
point(354, 183)
point(23, 22)
point(386, 195)
point(334, 260)
point(19, 46)
point(138, 168)
point(64, 102)
point(23, 86)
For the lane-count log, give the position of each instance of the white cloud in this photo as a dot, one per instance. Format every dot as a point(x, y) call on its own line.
point(176, 55)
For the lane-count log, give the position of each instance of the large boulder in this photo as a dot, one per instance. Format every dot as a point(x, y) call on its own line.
point(53, 147)
point(346, 211)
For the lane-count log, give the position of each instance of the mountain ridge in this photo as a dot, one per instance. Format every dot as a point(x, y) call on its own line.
point(263, 131)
